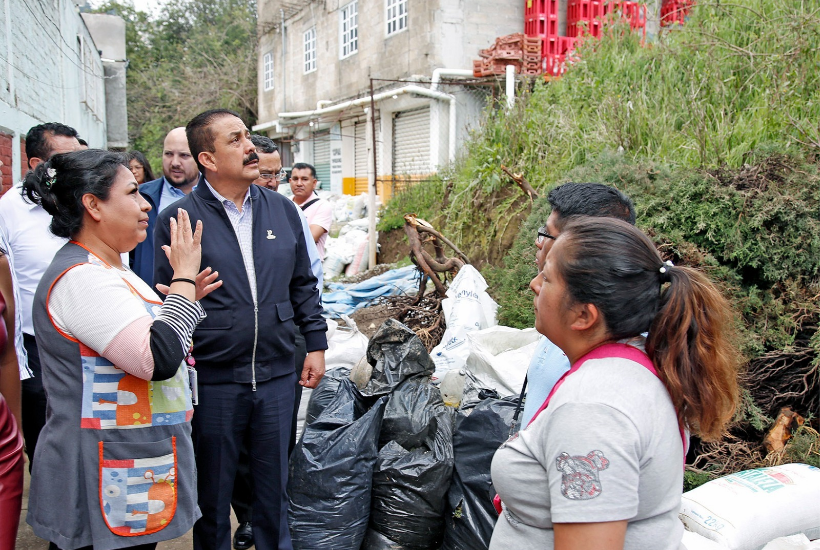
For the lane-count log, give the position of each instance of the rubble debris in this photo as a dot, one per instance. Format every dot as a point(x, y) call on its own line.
point(424, 317)
point(522, 52)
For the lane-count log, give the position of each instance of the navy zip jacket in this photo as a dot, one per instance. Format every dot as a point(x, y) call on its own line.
point(286, 288)
point(142, 257)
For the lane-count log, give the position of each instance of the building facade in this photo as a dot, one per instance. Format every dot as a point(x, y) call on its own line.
point(316, 61)
point(51, 71)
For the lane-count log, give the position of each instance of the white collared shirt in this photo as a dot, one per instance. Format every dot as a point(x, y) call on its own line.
point(242, 223)
point(32, 246)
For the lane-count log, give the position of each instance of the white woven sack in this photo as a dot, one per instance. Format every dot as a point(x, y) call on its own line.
point(693, 541)
point(746, 510)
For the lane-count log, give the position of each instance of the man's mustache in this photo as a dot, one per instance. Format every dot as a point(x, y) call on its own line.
point(250, 158)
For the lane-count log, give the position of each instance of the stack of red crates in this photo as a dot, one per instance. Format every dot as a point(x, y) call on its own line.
point(522, 52)
point(675, 11)
point(587, 16)
point(541, 22)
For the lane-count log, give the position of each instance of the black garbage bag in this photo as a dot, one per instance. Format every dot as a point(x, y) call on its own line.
point(409, 415)
point(469, 515)
point(410, 486)
point(331, 472)
point(396, 353)
point(324, 393)
point(374, 540)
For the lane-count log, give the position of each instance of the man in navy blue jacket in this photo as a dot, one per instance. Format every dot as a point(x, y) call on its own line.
point(244, 347)
point(179, 176)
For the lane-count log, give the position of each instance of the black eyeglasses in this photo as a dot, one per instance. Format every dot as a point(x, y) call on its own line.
point(280, 176)
point(544, 234)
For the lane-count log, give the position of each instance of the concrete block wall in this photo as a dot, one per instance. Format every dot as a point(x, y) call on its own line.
point(43, 76)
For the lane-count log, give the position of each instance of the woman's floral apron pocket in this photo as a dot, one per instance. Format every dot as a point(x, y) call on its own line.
point(138, 489)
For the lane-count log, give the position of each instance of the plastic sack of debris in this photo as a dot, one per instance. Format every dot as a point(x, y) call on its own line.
point(467, 308)
point(324, 393)
point(693, 541)
point(346, 346)
point(410, 486)
point(748, 509)
point(794, 542)
point(409, 417)
point(360, 260)
point(331, 473)
point(469, 515)
point(499, 357)
point(396, 353)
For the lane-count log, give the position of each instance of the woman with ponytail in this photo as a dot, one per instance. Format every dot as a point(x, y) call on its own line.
point(601, 464)
point(114, 464)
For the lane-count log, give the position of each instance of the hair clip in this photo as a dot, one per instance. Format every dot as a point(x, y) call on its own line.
point(663, 269)
point(52, 177)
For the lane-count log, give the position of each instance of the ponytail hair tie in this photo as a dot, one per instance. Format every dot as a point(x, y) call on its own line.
point(664, 271)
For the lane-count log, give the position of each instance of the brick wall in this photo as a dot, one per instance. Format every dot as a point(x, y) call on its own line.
point(5, 157)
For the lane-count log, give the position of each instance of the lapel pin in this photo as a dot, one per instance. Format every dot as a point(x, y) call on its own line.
point(270, 234)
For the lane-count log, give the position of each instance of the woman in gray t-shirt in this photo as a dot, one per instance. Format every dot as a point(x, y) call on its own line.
point(601, 464)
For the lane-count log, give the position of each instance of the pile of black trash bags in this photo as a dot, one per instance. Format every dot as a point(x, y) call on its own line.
point(390, 466)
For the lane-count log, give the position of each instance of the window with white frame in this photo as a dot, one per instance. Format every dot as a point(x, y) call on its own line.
point(310, 50)
point(396, 16)
point(350, 28)
point(267, 61)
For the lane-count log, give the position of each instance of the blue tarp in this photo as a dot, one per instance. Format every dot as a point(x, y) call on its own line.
point(344, 299)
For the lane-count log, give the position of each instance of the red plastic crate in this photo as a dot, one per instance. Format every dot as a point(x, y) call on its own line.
point(555, 65)
point(566, 44)
point(540, 7)
point(542, 25)
point(675, 11)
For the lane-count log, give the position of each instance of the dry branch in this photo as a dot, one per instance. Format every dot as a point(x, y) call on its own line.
point(522, 183)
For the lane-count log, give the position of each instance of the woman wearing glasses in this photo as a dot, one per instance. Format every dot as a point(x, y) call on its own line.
point(601, 464)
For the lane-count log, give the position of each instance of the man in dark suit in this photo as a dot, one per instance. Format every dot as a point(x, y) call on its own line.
point(244, 348)
point(179, 177)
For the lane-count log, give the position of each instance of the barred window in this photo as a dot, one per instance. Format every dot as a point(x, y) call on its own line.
point(396, 16)
point(267, 61)
point(310, 50)
point(350, 28)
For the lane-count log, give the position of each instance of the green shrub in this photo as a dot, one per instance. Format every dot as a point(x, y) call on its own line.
point(423, 198)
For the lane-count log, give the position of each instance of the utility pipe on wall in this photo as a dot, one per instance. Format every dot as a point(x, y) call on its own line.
point(362, 101)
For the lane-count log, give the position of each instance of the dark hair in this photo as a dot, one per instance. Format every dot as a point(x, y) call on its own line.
point(74, 175)
point(590, 199)
point(82, 142)
point(146, 166)
point(614, 266)
point(199, 134)
point(302, 166)
point(264, 144)
point(37, 144)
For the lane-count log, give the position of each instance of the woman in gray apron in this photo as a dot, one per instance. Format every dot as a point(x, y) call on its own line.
point(114, 464)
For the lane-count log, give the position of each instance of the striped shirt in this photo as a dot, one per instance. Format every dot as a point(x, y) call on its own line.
point(242, 223)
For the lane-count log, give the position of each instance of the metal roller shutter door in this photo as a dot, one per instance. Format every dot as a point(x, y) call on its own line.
point(361, 154)
point(411, 142)
point(321, 158)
